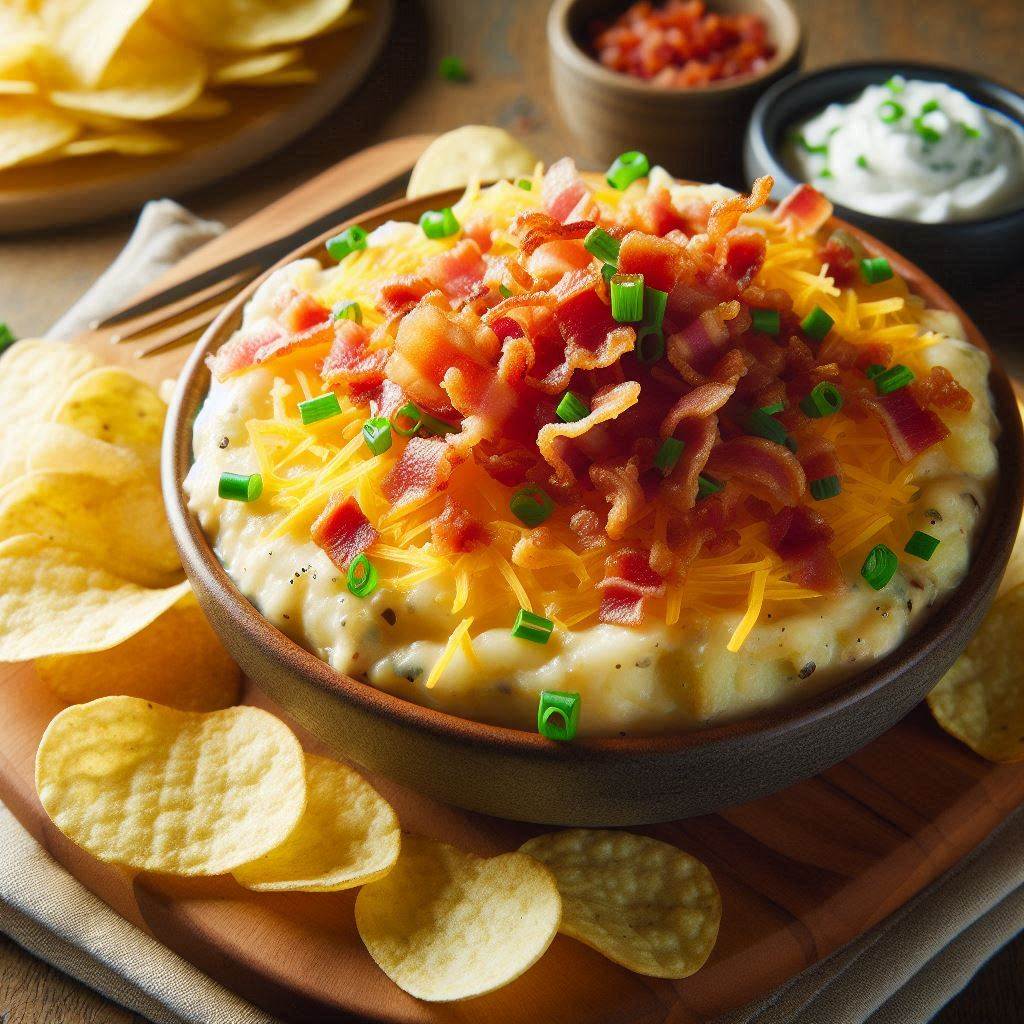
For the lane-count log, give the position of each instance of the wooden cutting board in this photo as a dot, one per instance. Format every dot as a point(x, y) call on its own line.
point(802, 872)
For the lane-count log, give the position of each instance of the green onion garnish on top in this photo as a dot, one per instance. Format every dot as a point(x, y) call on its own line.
point(504, 291)
point(531, 505)
point(969, 131)
point(879, 567)
point(826, 487)
point(706, 486)
point(558, 714)
point(323, 407)
point(377, 434)
point(801, 141)
point(926, 131)
point(874, 370)
point(895, 85)
point(890, 111)
point(774, 409)
point(825, 399)
point(362, 576)
point(768, 427)
point(608, 271)
point(767, 321)
point(875, 269)
point(862, 163)
point(7, 338)
point(572, 408)
point(817, 323)
point(532, 627)
point(649, 346)
point(655, 303)
point(525, 184)
point(348, 241)
point(439, 223)
point(602, 245)
point(893, 379)
point(627, 168)
point(452, 69)
point(410, 420)
point(240, 486)
point(929, 106)
point(349, 311)
point(668, 455)
point(921, 545)
point(627, 297)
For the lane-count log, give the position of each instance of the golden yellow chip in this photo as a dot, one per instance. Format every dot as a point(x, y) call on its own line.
point(30, 128)
point(206, 108)
point(137, 143)
point(980, 700)
point(34, 376)
point(348, 836)
point(14, 87)
point(249, 24)
point(177, 660)
point(112, 405)
point(236, 69)
point(446, 925)
point(640, 902)
point(122, 528)
point(56, 600)
point(185, 793)
point(475, 151)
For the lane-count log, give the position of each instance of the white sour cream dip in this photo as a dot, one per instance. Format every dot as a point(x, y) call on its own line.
point(913, 150)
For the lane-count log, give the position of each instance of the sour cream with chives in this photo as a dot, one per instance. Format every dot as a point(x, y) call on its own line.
point(913, 150)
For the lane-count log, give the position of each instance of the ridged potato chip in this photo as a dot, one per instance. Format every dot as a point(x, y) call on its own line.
point(156, 789)
point(349, 835)
point(640, 902)
point(474, 151)
point(56, 600)
point(31, 128)
point(137, 143)
point(446, 925)
point(34, 376)
point(177, 660)
point(980, 700)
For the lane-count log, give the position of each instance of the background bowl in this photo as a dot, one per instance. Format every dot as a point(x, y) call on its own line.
point(629, 781)
point(960, 250)
point(694, 133)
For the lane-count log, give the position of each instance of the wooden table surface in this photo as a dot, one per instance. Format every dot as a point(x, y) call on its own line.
point(503, 46)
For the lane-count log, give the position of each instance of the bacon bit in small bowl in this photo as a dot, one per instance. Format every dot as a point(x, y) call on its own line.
point(680, 44)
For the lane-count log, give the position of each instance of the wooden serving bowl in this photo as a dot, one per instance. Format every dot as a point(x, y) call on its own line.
point(629, 781)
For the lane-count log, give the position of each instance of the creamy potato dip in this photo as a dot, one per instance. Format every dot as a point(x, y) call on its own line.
point(732, 635)
point(914, 150)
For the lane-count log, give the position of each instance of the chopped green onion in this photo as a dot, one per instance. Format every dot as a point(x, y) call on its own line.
point(348, 241)
point(817, 323)
point(862, 163)
point(572, 408)
point(763, 425)
point(930, 106)
point(650, 344)
point(432, 425)
point(504, 291)
point(627, 168)
point(453, 69)
point(874, 370)
point(531, 505)
point(767, 321)
point(558, 714)
point(774, 409)
point(825, 173)
point(532, 627)
point(926, 131)
point(349, 311)
point(362, 576)
point(323, 407)
point(893, 379)
point(608, 271)
point(890, 111)
point(627, 297)
point(706, 486)
point(602, 245)
point(655, 302)
point(879, 567)
point(969, 130)
point(801, 141)
point(407, 412)
point(377, 434)
point(240, 486)
point(7, 338)
point(825, 399)
point(921, 545)
point(439, 223)
point(875, 269)
point(668, 455)
point(525, 184)
point(895, 85)
point(826, 487)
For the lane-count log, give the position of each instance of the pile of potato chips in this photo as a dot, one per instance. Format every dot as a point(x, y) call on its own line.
point(79, 77)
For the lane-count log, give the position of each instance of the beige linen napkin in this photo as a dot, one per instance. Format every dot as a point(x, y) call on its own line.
point(902, 972)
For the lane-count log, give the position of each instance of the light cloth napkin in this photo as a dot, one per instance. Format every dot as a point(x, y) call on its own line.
point(902, 972)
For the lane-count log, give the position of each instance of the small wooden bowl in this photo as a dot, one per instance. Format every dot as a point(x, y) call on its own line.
point(694, 133)
point(631, 781)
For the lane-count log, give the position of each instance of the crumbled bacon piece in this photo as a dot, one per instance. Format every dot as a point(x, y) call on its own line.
point(802, 537)
point(342, 531)
point(940, 390)
point(456, 531)
point(350, 361)
point(805, 209)
point(298, 311)
point(563, 190)
point(911, 429)
point(424, 467)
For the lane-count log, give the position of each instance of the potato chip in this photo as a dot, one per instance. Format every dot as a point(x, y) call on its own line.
point(155, 665)
point(236, 69)
point(138, 143)
point(249, 24)
point(186, 793)
point(206, 108)
point(474, 151)
point(446, 925)
point(638, 901)
point(290, 76)
point(13, 87)
point(56, 600)
point(980, 700)
point(349, 835)
point(151, 75)
point(112, 405)
point(122, 528)
point(30, 127)
point(34, 376)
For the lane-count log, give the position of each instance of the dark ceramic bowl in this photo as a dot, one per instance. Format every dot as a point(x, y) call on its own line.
point(961, 250)
point(694, 133)
point(632, 781)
